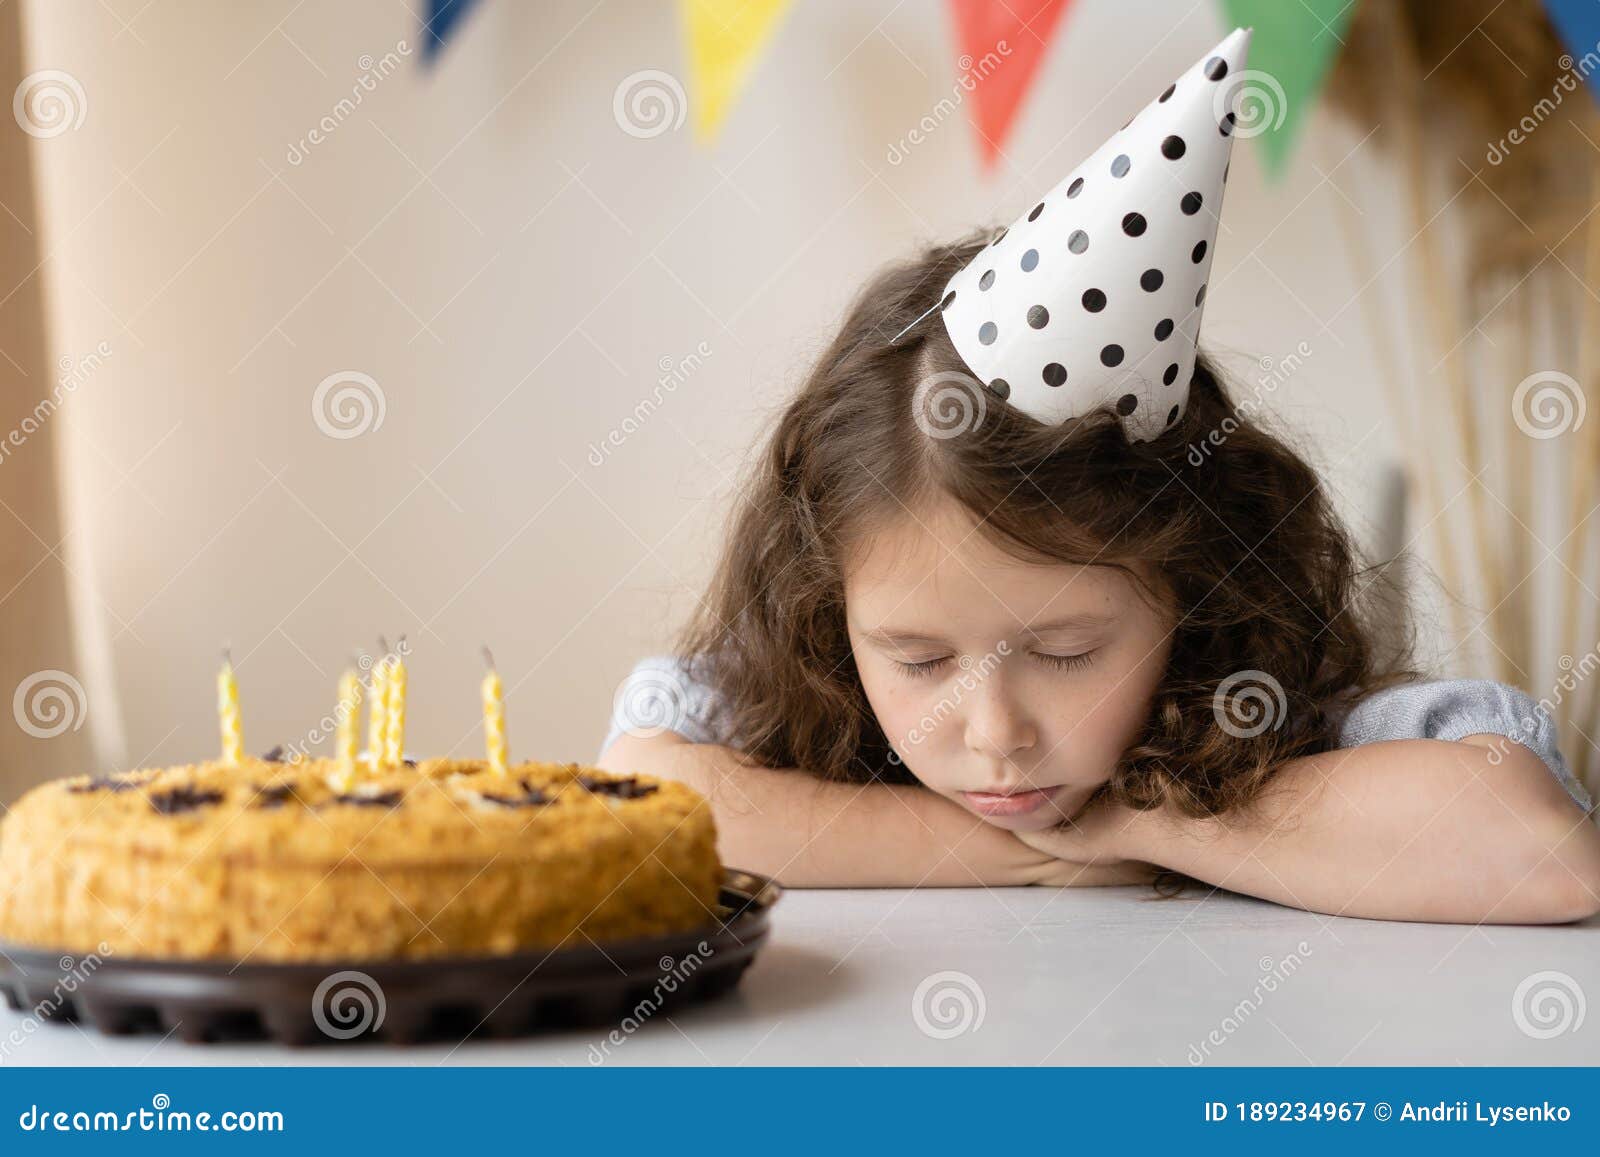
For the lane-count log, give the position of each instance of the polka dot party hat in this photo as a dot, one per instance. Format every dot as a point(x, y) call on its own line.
point(1093, 297)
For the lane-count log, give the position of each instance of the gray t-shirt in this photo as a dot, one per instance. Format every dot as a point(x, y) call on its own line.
point(661, 693)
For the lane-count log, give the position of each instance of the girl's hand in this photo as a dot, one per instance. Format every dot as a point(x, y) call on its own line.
point(1062, 874)
point(1098, 836)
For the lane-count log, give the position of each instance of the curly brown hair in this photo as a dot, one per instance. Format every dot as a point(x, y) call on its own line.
point(1260, 573)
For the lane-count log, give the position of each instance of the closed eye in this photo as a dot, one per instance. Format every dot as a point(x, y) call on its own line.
point(928, 667)
point(1065, 662)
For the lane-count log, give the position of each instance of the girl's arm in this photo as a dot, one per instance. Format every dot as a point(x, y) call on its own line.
point(807, 832)
point(1476, 831)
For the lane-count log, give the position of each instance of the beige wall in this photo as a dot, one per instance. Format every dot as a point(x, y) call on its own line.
point(50, 724)
point(512, 269)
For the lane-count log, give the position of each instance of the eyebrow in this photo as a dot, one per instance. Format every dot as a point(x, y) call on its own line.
point(1063, 622)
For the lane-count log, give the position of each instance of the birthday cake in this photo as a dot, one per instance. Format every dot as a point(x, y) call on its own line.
point(256, 860)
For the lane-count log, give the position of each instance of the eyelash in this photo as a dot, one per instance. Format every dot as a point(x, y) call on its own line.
point(927, 668)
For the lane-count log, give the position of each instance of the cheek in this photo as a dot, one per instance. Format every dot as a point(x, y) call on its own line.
point(1087, 722)
point(901, 707)
point(905, 710)
point(1119, 704)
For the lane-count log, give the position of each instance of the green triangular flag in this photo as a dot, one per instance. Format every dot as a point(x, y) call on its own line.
point(1293, 44)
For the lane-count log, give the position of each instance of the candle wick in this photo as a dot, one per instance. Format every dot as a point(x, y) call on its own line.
point(488, 658)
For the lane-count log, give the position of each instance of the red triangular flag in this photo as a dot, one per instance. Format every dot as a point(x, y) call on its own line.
point(1012, 38)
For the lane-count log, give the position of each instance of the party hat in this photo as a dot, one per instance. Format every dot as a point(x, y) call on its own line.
point(1093, 297)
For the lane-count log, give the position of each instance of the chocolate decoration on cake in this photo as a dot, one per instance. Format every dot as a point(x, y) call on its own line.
point(529, 797)
point(380, 799)
point(510, 875)
point(629, 788)
point(275, 755)
point(183, 799)
point(105, 783)
point(274, 795)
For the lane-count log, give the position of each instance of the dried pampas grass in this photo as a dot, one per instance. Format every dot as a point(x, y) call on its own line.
point(1487, 121)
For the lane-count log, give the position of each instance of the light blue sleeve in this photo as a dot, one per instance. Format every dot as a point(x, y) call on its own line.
point(1453, 708)
point(661, 693)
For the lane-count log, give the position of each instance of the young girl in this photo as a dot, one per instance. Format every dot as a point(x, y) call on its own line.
point(986, 617)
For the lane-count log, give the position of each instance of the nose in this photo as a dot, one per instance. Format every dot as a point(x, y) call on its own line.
point(997, 725)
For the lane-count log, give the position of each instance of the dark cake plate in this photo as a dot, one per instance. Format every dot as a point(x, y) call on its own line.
point(404, 1001)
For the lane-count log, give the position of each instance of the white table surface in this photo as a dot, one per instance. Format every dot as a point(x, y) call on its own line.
point(1064, 977)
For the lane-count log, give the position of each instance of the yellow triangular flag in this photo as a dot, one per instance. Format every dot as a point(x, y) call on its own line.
point(725, 37)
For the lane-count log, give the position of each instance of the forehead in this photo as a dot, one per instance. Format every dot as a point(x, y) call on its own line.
point(937, 567)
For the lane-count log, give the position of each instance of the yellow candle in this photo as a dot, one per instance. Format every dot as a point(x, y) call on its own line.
point(494, 718)
point(228, 713)
point(348, 716)
point(394, 729)
point(378, 711)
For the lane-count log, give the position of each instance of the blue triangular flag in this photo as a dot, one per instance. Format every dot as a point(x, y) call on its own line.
point(443, 16)
point(1578, 24)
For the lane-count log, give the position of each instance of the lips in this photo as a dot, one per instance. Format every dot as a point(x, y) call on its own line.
point(1013, 804)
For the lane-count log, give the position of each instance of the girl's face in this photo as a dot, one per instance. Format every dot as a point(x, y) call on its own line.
point(1008, 687)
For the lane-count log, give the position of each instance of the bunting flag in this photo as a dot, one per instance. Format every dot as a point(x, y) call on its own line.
point(443, 16)
point(725, 39)
point(1290, 53)
point(1577, 22)
point(1002, 43)
point(1017, 35)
